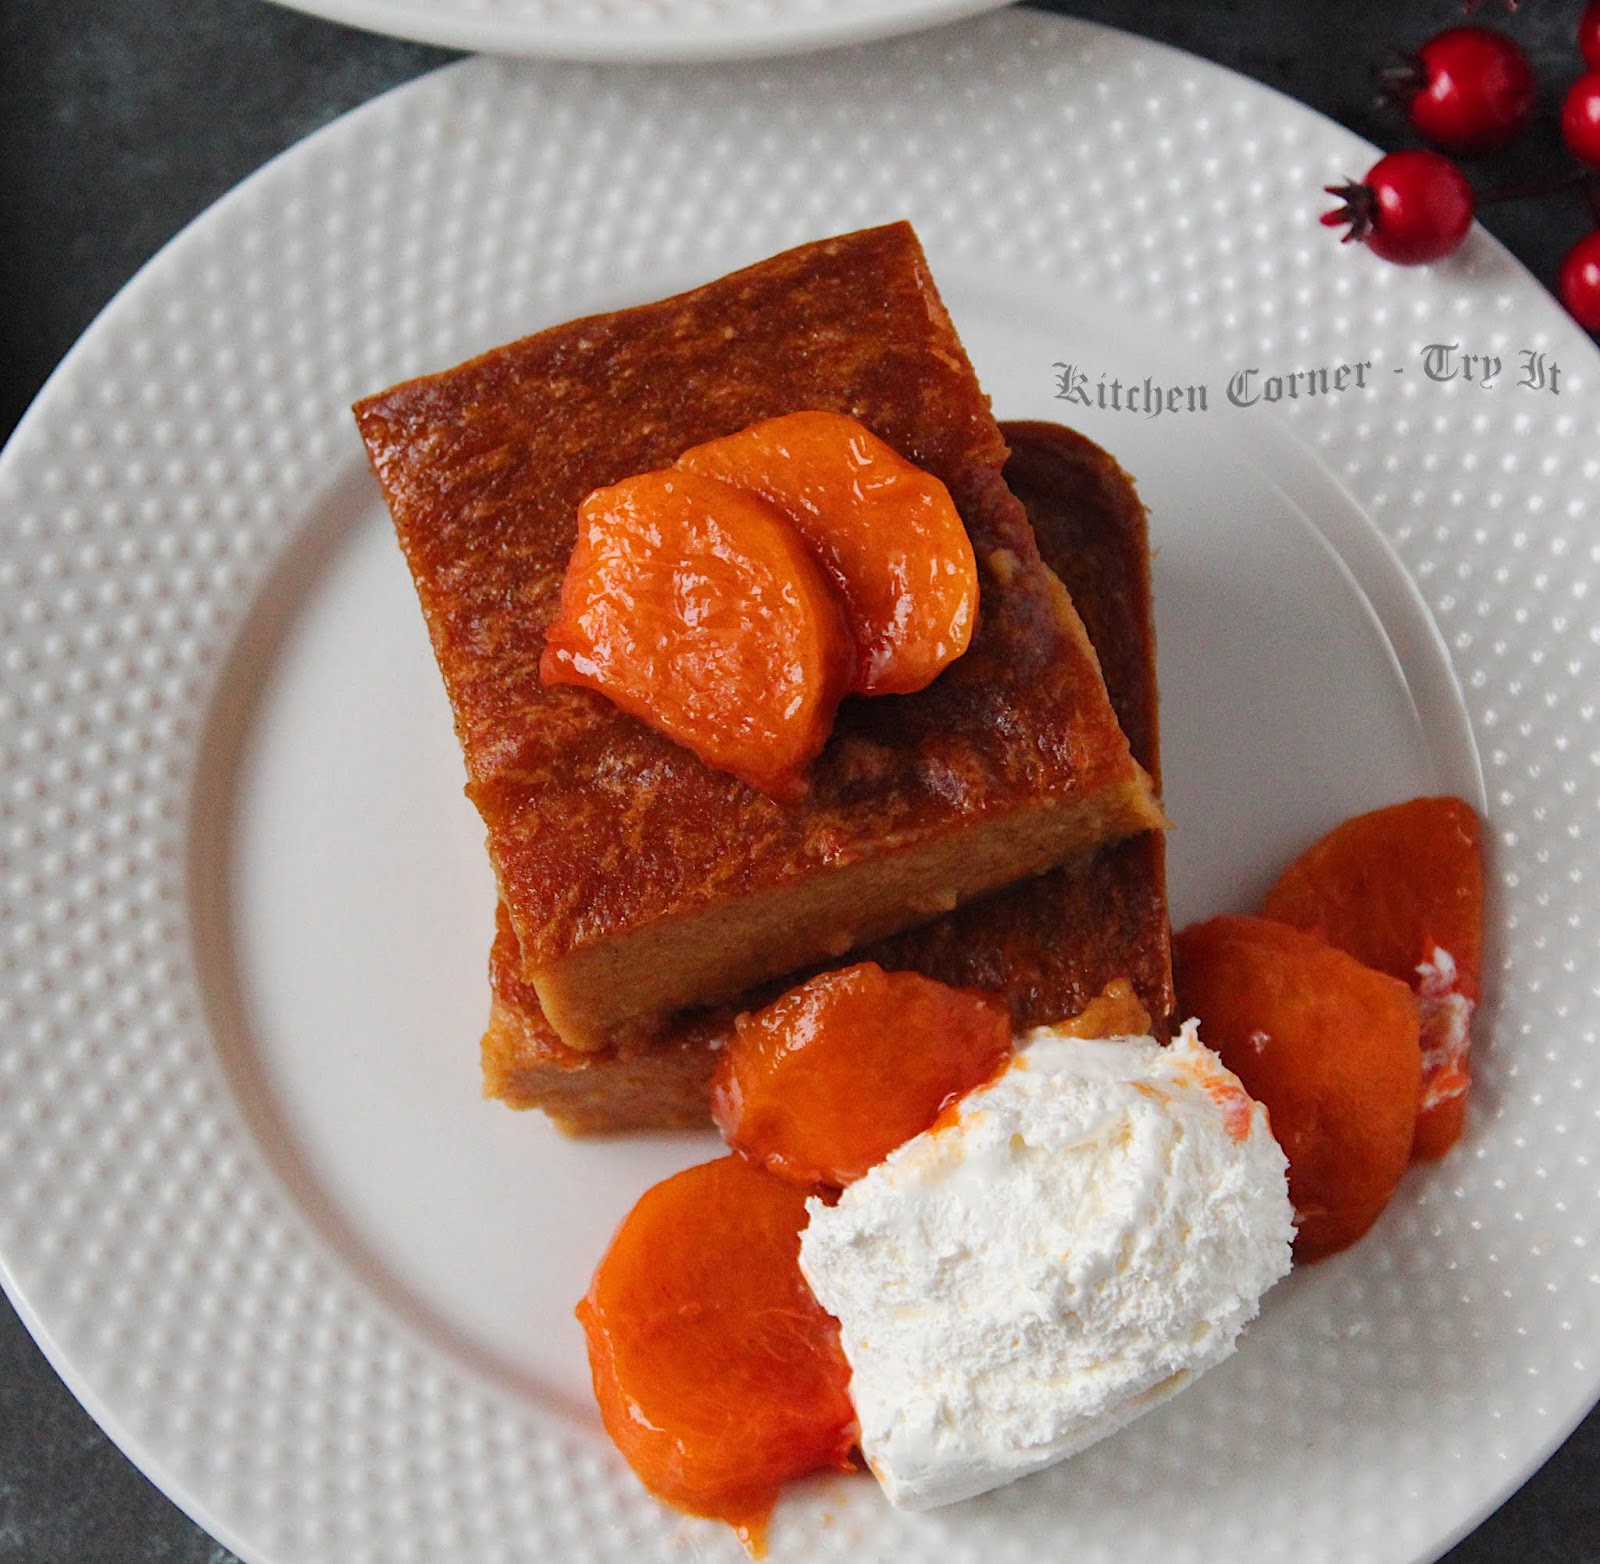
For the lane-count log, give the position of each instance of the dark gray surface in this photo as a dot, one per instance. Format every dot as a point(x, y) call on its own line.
point(120, 120)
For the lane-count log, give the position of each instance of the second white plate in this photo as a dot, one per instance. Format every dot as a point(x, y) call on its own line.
point(641, 29)
point(250, 1200)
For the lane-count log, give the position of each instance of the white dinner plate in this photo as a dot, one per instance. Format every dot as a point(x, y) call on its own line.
point(251, 1202)
point(641, 29)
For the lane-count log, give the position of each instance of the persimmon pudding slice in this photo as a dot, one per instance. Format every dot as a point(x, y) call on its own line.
point(828, 1080)
point(1401, 889)
point(695, 606)
point(638, 881)
point(1328, 1045)
point(719, 1376)
point(886, 532)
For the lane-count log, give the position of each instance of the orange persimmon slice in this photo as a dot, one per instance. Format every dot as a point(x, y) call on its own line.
point(826, 1081)
point(887, 533)
point(1401, 889)
point(719, 1376)
point(1328, 1045)
point(697, 608)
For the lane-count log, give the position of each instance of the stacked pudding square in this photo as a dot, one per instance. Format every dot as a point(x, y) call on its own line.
point(999, 829)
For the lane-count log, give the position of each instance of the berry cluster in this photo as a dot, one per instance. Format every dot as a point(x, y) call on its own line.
point(1471, 90)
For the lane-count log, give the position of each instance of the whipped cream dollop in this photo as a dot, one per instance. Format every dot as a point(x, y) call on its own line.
point(1077, 1242)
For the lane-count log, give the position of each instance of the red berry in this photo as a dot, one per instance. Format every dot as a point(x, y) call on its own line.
point(1411, 208)
point(1580, 118)
point(1589, 35)
point(1579, 281)
point(1471, 89)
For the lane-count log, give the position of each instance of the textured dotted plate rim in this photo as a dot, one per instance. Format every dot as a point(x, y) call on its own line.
point(129, 580)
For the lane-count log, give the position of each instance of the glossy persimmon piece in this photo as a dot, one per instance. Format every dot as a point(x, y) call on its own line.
point(887, 533)
point(825, 1082)
point(719, 1376)
point(1328, 1045)
point(1401, 889)
point(697, 608)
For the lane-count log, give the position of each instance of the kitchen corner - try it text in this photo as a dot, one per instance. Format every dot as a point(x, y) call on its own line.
point(1527, 369)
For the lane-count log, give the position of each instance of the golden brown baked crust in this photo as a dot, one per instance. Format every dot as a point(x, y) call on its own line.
point(636, 879)
point(1049, 945)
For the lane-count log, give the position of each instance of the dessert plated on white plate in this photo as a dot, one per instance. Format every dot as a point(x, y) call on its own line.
point(244, 1246)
